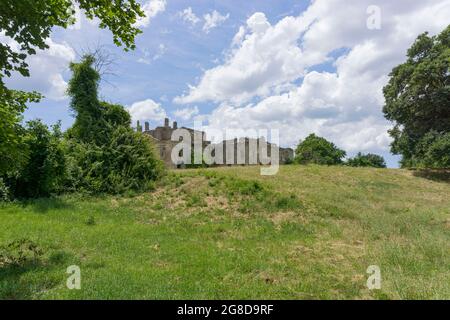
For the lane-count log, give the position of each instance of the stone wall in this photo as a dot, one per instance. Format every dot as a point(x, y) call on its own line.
point(240, 155)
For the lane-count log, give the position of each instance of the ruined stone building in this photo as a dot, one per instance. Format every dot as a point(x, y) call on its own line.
point(241, 155)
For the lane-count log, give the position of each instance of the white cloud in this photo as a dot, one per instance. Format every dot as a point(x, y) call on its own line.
point(146, 110)
point(148, 58)
point(213, 20)
point(189, 16)
point(265, 56)
point(151, 8)
point(186, 113)
point(271, 66)
point(161, 51)
point(46, 69)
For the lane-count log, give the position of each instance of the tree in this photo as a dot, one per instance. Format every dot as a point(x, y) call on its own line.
point(12, 150)
point(318, 150)
point(367, 160)
point(95, 120)
point(433, 150)
point(28, 23)
point(104, 154)
point(418, 102)
point(45, 166)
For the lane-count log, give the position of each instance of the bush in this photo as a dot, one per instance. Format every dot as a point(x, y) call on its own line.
point(4, 191)
point(104, 154)
point(126, 163)
point(367, 160)
point(318, 150)
point(45, 168)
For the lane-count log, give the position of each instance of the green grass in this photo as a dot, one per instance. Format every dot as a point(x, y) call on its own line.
point(306, 233)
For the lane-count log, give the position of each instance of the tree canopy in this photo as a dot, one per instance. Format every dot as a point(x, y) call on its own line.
point(12, 151)
point(318, 150)
point(418, 102)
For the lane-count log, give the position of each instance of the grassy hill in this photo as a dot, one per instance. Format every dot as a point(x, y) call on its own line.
point(308, 232)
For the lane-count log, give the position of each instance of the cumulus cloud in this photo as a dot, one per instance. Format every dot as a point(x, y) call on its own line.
point(268, 79)
point(151, 9)
point(213, 20)
point(46, 69)
point(266, 56)
point(186, 113)
point(189, 16)
point(146, 110)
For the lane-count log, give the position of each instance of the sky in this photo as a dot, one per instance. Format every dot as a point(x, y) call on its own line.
point(298, 66)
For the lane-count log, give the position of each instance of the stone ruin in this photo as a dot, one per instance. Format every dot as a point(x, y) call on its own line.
point(162, 137)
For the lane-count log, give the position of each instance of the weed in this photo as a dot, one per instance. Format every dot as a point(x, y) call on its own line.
point(19, 253)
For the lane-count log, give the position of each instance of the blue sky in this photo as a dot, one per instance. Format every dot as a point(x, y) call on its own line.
point(297, 66)
point(188, 51)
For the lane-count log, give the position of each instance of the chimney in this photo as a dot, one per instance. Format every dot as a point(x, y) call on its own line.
point(175, 125)
point(147, 126)
point(166, 122)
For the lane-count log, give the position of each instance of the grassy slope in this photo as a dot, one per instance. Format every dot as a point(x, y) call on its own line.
point(308, 232)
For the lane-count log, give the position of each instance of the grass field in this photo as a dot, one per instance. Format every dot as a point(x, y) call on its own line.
point(306, 233)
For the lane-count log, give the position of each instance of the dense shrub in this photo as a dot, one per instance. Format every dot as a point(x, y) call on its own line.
point(318, 150)
point(367, 160)
point(4, 191)
point(44, 170)
point(104, 154)
point(127, 162)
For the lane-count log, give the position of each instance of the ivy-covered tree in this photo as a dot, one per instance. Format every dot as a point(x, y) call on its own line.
point(26, 25)
point(318, 150)
point(418, 102)
point(95, 120)
point(104, 154)
point(367, 160)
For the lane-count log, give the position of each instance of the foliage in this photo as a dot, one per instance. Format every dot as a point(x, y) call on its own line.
point(26, 26)
point(45, 168)
point(126, 162)
point(4, 191)
point(318, 150)
point(30, 22)
point(12, 105)
point(418, 101)
point(104, 154)
point(95, 120)
point(367, 160)
point(433, 151)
